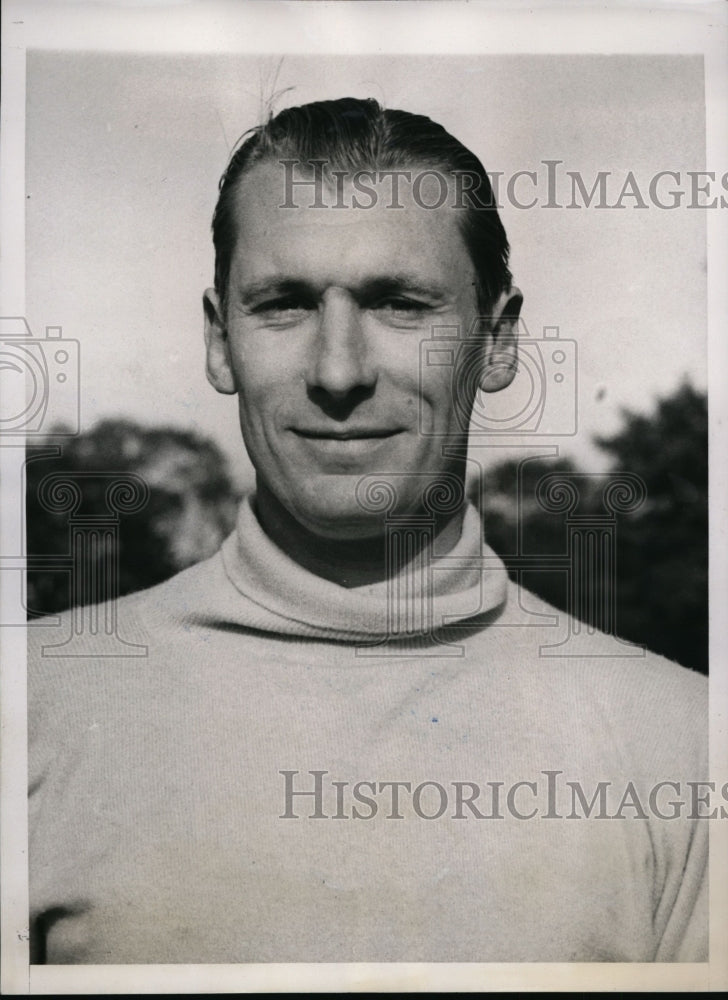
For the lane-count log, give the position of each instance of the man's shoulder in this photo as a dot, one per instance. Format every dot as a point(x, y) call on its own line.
point(90, 653)
point(601, 674)
point(562, 636)
point(131, 619)
point(104, 656)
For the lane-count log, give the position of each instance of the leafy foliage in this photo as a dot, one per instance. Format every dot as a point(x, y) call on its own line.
point(663, 552)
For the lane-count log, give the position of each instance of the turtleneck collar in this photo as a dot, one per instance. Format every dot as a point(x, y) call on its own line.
point(426, 594)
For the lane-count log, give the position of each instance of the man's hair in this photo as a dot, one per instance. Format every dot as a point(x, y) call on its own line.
point(359, 134)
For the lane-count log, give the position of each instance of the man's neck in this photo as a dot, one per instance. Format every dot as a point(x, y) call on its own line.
point(349, 562)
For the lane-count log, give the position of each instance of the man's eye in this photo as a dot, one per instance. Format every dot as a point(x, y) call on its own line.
point(401, 305)
point(284, 304)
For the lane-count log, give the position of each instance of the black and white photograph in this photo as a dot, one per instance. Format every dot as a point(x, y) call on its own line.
point(363, 550)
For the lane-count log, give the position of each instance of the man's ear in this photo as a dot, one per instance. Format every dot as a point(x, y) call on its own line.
point(219, 368)
point(501, 342)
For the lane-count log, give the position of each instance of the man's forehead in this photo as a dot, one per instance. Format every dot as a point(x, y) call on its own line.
point(348, 246)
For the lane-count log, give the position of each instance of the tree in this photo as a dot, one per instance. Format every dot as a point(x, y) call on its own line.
point(661, 586)
point(663, 550)
point(190, 508)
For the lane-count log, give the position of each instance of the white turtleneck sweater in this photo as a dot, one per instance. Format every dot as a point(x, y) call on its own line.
point(165, 824)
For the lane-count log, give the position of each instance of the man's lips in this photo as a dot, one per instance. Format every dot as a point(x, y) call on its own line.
point(346, 434)
point(344, 447)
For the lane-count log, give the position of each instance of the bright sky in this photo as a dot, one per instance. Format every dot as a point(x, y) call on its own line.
point(124, 152)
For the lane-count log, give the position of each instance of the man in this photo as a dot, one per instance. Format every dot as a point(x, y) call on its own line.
point(344, 744)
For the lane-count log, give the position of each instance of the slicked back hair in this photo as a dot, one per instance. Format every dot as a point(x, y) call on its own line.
point(359, 134)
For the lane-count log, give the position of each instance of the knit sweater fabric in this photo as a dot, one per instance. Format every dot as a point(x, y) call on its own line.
point(166, 823)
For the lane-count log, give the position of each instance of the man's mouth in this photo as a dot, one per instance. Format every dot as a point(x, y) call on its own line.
point(347, 445)
point(348, 434)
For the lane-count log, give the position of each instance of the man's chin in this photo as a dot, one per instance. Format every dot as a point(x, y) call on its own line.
point(341, 525)
point(355, 507)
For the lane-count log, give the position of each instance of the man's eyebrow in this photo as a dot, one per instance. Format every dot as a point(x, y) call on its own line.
point(397, 284)
point(273, 286)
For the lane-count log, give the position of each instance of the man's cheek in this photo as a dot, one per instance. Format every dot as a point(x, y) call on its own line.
point(445, 411)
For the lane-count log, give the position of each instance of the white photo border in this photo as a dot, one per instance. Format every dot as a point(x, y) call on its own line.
point(309, 27)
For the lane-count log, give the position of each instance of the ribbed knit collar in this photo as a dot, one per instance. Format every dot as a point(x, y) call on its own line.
point(469, 581)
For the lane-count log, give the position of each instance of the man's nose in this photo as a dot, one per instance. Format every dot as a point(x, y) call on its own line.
point(341, 361)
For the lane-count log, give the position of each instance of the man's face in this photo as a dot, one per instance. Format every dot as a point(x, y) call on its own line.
point(321, 337)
